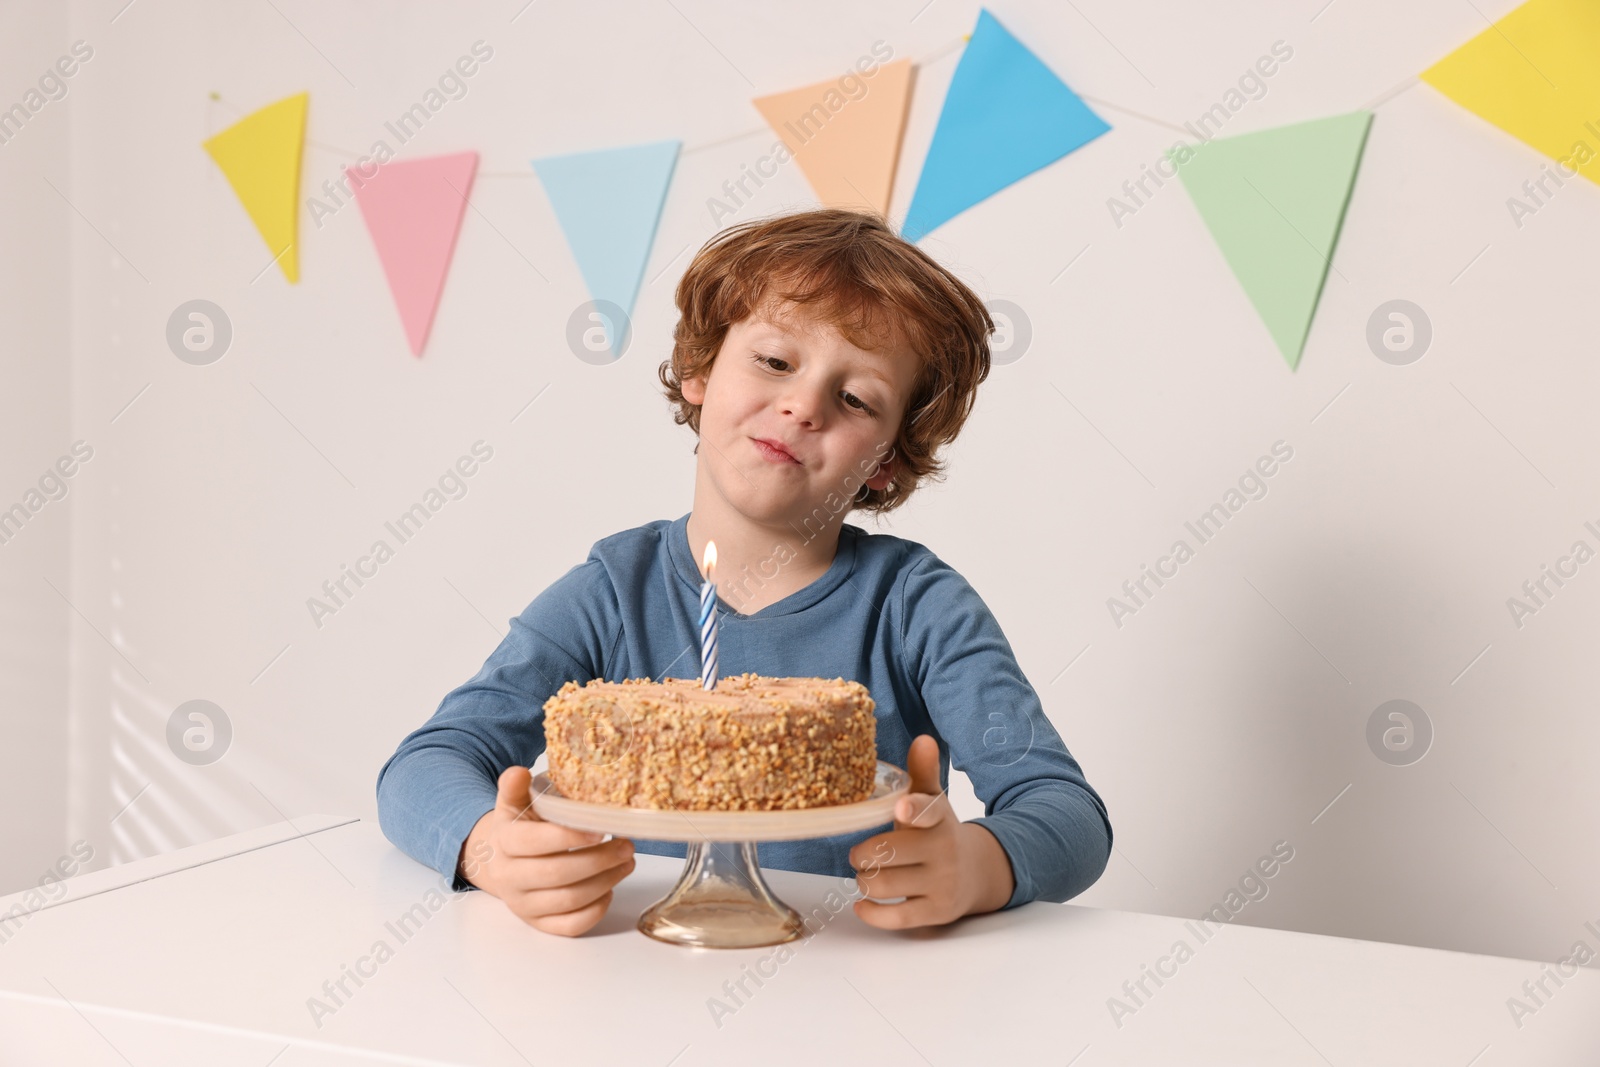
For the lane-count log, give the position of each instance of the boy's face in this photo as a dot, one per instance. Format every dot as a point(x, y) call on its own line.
point(780, 377)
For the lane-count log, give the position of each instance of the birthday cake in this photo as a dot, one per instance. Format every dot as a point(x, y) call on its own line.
point(752, 744)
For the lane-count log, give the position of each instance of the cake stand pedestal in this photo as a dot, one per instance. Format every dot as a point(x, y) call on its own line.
point(721, 900)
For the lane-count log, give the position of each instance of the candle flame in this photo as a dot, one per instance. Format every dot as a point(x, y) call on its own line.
point(709, 560)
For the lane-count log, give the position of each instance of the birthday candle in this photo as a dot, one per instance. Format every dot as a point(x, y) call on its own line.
point(708, 620)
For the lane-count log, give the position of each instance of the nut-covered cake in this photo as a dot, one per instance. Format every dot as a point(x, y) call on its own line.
point(752, 744)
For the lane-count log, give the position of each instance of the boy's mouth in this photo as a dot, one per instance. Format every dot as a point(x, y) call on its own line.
point(774, 451)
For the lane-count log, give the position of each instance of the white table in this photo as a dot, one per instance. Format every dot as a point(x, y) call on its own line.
point(209, 955)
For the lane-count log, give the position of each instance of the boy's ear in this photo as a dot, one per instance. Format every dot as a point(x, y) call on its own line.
point(882, 476)
point(693, 389)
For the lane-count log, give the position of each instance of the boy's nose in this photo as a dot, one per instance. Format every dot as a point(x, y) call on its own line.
point(802, 405)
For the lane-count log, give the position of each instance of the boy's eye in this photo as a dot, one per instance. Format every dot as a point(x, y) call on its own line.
point(774, 363)
point(768, 361)
point(857, 403)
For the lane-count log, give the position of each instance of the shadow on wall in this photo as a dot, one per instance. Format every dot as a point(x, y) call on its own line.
point(1379, 787)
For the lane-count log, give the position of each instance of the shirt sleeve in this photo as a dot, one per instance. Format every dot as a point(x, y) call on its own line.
point(443, 777)
point(1051, 823)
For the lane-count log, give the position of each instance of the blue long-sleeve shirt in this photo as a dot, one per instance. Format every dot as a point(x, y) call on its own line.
point(888, 613)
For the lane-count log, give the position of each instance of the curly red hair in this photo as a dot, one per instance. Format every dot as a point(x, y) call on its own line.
point(849, 269)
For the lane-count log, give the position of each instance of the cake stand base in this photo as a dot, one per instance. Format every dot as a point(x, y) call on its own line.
point(721, 901)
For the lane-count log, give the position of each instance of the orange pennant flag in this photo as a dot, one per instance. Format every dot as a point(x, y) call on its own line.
point(846, 133)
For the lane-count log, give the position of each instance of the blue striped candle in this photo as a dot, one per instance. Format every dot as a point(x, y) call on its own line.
point(708, 620)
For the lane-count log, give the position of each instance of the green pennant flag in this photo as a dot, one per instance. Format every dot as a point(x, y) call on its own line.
point(1274, 201)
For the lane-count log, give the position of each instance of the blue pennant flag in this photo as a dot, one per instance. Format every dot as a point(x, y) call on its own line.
point(1006, 116)
point(609, 204)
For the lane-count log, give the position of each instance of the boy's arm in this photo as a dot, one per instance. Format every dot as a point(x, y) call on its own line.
point(1037, 803)
point(441, 780)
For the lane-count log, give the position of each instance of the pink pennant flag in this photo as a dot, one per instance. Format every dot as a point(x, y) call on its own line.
point(413, 210)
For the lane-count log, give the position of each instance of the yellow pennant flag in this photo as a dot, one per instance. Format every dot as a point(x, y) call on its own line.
point(1536, 75)
point(260, 155)
point(845, 133)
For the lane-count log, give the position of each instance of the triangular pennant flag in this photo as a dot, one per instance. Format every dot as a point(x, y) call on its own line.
point(1536, 75)
point(413, 211)
point(847, 147)
point(260, 155)
point(1274, 202)
point(1006, 116)
point(608, 203)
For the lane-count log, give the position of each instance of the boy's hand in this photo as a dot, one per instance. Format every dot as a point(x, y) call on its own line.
point(553, 878)
point(944, 868)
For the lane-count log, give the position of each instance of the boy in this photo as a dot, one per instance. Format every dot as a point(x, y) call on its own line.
point(824, 362)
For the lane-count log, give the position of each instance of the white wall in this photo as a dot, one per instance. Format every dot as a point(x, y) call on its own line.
point(1224, 717)
point(35, 429)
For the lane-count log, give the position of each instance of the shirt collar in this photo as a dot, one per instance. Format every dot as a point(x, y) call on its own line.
point(844, 562)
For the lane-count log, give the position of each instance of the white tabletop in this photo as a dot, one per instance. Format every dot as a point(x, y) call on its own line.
point(210, 955)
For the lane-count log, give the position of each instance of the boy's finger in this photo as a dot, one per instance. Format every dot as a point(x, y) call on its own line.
point(534, 837)
point(903, 915)
point(513, 796)
point(898, 882)
point(572, 923)
point(892, 849)
point(512, 793)
point(579, 894)
point(918, 811)
point(922, 764)
point(567, 868)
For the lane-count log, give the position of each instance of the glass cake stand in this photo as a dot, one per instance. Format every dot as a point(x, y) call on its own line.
point(721, 900)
